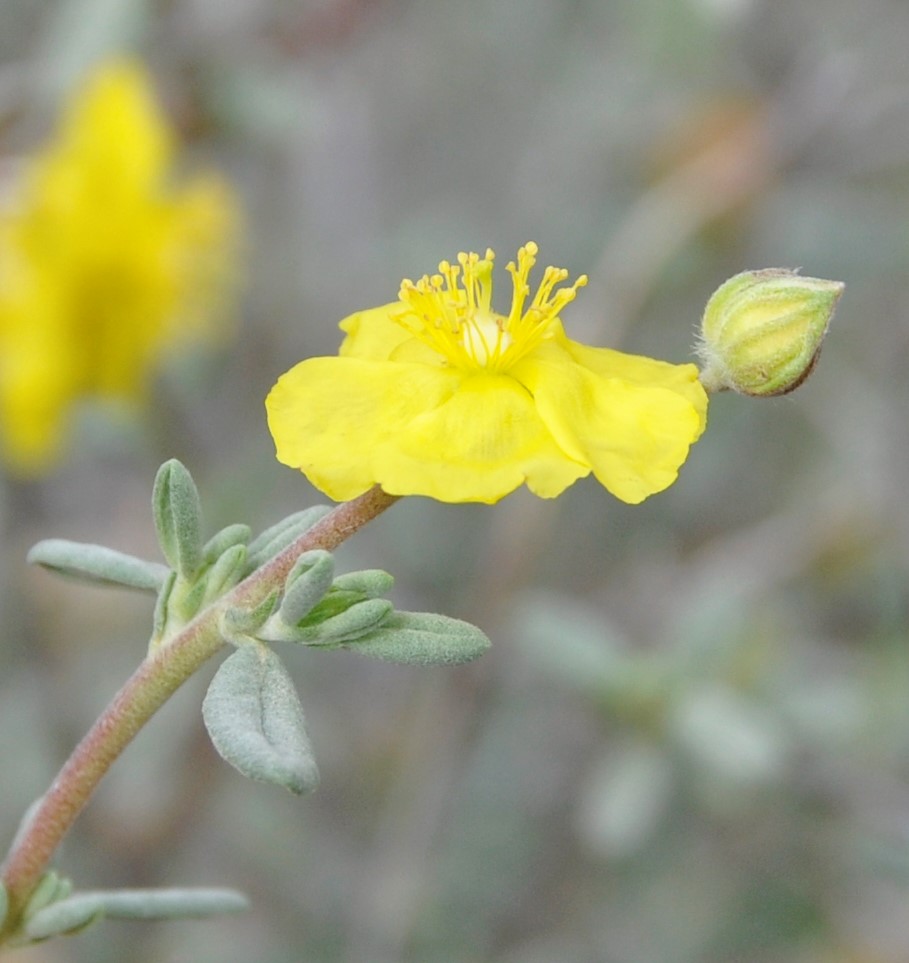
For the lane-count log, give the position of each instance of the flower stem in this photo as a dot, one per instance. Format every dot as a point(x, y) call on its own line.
point(150, 686)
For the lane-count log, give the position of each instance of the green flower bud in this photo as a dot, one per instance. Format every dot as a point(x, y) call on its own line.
point(762, 331)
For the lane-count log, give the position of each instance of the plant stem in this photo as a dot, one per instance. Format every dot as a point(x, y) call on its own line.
point(150, 686)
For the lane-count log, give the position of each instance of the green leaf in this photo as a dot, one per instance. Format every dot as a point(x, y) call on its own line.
point(236, 624)
point(95, 563)
point(81, 909)
point(51, 888)
point(306, 584)
point(178, 518)
point(273, 540)
point(159, 619)
point(350, 623)
point(371, 583)
point(255, 720)
point(63, 918)
point(4, 904)
point(225, 573)
point(186, 598)
point(423, 638)
point(220, 542)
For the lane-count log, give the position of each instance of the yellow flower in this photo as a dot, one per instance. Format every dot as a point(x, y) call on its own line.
point(105, 264)
point(438, 395)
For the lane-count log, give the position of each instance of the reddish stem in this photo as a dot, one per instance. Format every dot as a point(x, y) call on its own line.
point(150, 686)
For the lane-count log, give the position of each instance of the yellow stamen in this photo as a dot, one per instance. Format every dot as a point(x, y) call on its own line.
point(452, 313)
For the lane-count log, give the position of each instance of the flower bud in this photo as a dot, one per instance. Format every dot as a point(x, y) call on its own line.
point(762, 331)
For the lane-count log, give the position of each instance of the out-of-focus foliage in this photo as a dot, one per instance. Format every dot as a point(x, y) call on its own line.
point(690, 741)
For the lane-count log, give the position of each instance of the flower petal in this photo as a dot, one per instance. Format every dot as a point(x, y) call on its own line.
point(413, 405)
point(415, 430)
point(106, 264)
point(372, 334)
point(640, 370)
point(635, 433)
point(478, 445)
point(329, 416)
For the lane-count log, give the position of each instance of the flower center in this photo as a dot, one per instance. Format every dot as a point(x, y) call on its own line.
point(451, 311)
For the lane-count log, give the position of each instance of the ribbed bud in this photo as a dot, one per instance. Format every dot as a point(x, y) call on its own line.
point(762, 331)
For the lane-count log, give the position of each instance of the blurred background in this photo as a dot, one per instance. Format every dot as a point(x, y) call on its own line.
point(690, 741)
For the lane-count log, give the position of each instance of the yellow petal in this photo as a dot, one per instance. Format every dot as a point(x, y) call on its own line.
point(372, 334)
point(481, 443)
point(330, 417)
point(640, 370)
point(132, 263)
point(415, 430)
point(635, 434)
point(423, 406)
point(115, 131)
point(37, 379)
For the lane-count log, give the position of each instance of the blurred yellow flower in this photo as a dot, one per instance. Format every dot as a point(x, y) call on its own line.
point(438, 395)
point(105, 264)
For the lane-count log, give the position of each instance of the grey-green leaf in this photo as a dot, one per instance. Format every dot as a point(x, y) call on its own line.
point(306, 584)
point(177, 512)
point(81, 909)
point(371, 583)
point(279, 536)
point(4, 903)
point(220, 542)
point(351, 623)
point(237, 623)
point(51, 888)
point(95, 563)
point(66, 917)
point(255, 720)
point(159, 618)
point(225, 573)
point(423, 638)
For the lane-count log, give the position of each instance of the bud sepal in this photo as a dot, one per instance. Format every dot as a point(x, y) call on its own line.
point(762, 331)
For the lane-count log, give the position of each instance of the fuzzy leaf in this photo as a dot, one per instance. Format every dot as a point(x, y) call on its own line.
point(69, 916)
point(255, 720)
point(371, 583)
point(238, 624)
point(279, 536)
point(51, 887)
point(352, 622)
point(225, 573)
point(178, 517)
point(306, 584)
point(422, 638)
point(159, 618)
point(186, 598)
point(220, 542)
point(95, 563)
point(81, 909)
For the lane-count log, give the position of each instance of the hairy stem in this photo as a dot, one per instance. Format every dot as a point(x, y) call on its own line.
point(150, 686)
